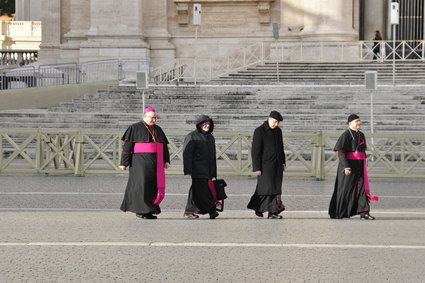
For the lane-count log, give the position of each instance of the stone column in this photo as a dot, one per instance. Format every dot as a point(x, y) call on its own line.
point(28, 10)
point(115, 31)
point(155, 25)
point(327, 20)
point(22, 10)
point(374, 18)
point(3, 44)
point(50, 32)
point(79, 25)
point(291, 18)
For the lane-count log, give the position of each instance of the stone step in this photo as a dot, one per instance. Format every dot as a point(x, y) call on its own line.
point(233, 108)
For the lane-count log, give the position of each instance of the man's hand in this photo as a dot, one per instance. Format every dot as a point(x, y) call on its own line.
point(258, 173)
point(167, 165)
point(122, 167)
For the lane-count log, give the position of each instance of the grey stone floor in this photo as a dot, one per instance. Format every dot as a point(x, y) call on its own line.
point(69, 229)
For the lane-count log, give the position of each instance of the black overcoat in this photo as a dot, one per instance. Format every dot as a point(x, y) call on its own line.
point(199, 155)
point(268, 156)
point(141, 188)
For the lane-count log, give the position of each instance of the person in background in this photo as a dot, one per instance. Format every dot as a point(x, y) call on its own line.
point(376, 45)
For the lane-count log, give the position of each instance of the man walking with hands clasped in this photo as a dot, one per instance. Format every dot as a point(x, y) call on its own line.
point(268, 162)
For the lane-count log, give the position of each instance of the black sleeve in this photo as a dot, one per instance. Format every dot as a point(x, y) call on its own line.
point(341, 147)
point(188, 149)
point(343, 159)
point(127, 152)
point(364, 138)
point(163, 138)
point(166, 154)
point(257, 150)
point(215, 160)
point(283, 149)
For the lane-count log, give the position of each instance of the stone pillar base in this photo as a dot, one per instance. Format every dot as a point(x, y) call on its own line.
point(49, 54)
point(323, 33)
point(101, 53)
point(99, 48)
point(161, 52)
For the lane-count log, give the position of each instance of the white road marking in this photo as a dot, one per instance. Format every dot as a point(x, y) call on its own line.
point(206, 244)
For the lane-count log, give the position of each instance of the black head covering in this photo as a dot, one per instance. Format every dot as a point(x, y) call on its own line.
point(352, 117)
point(204, 118)
point(276, 115)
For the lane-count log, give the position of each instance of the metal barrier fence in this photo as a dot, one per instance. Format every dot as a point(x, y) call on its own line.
point(207, 69)
point(72, 73)
point(82, 152)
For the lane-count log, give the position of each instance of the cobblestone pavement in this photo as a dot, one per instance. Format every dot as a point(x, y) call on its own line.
point(69, 229)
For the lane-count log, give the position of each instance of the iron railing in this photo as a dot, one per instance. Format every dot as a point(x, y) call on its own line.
point(200, 69)
point(72, 73)
point(82, 152)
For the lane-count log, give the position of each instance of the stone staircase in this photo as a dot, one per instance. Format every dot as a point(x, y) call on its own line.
point(234, 108)
point(328, 73)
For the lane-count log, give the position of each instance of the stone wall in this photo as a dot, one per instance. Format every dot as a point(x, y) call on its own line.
point(162, 30)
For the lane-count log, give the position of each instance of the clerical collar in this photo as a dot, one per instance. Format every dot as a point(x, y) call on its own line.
point(353, 129)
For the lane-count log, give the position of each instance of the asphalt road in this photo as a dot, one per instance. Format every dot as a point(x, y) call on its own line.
point(70, 229)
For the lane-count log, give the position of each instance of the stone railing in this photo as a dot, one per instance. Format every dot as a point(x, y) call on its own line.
point(19, 42)
point(17, 57)
point(84, 152)
point(16, 29)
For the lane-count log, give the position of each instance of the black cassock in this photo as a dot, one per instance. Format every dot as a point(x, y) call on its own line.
point(349, 197)
point(142, 183)
point(268, 156)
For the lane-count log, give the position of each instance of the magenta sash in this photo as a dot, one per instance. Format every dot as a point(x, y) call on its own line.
point(140, 147)
point(362, 156)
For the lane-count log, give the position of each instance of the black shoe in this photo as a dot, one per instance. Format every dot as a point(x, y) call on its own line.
point(366, 216)
point(190, 216)
point(146, 216)
point(213, 215)
point(259, 213)
point(274, 216)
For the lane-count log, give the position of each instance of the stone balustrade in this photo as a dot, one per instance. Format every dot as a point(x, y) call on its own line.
point(17, 57)
point(20, 35)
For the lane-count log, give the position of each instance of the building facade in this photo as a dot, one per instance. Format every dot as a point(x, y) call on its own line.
point(162, 30)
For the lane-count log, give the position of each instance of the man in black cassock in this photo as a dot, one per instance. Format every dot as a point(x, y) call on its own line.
point(199, 161)
point(268, 162)
point(145, 151)
point(351, 194)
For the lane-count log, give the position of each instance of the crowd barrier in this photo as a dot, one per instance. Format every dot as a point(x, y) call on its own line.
point(81, 152)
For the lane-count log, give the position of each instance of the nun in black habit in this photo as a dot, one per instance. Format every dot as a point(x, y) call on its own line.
point(199, 161)
point(268, 162)
point(145, 151)
point(351, 194)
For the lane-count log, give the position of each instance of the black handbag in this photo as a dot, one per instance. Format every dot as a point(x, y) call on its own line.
point(219, 185)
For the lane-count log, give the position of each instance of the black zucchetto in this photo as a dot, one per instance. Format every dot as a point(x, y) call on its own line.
point(352, 117)
point(276, 115)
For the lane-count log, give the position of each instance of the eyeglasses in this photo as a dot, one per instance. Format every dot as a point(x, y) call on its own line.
point(152, 117)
